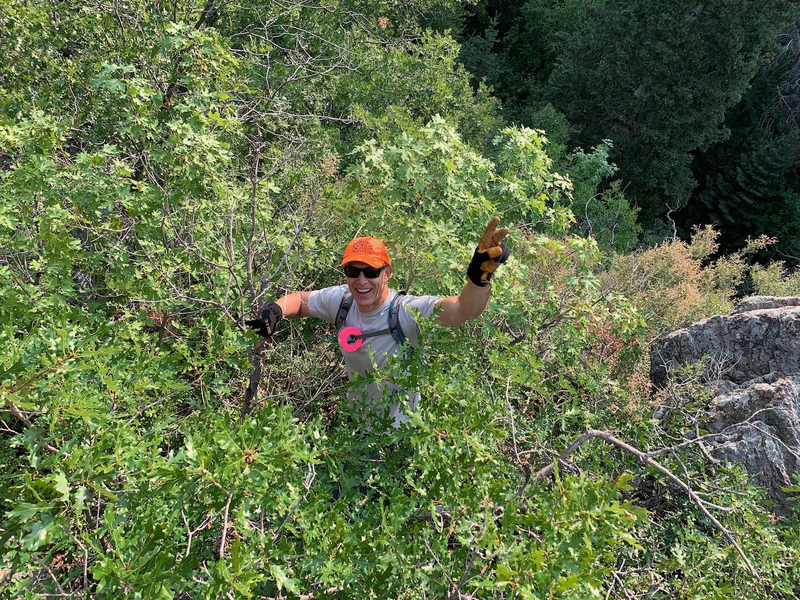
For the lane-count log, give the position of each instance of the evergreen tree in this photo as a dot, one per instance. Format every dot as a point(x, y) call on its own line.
point(654, 77)
point(757, 192)
point(658, 78)
point(749, 183)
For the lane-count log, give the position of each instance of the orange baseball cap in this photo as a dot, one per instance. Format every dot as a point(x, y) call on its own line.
point(368, 250)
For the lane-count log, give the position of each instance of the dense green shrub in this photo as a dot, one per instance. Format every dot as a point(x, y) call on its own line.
point(151, 449)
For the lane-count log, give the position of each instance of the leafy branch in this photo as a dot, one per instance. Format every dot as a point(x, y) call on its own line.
point(8, 393)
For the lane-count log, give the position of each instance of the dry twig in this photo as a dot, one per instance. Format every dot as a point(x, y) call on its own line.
point(646, 459)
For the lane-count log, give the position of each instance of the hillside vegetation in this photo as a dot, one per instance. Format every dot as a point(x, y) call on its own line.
point(167, 168)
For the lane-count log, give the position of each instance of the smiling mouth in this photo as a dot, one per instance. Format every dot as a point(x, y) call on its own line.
point(366, 291)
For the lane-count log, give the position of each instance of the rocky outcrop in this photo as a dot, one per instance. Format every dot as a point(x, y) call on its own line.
point(758, 424)
point(762, 336)
point(753, 367)
point(766, 303)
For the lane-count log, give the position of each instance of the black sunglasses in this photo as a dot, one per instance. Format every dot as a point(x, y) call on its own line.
point(369, 272)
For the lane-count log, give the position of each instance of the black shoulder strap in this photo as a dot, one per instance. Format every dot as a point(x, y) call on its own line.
point(395, 329)
point(394, 319)
point(344, 308)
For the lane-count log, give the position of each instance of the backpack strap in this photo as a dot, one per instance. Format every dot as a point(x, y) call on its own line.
point(395, 329)
point(394, 319)
point(344, 308)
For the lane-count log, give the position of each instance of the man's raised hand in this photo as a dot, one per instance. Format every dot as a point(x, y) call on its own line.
point(489, 255)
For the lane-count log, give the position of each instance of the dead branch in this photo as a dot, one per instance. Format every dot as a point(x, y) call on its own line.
point(646, 459)
point(331, 591)
point(190, 532)
point(254, 354)
point(49, 572)
point(312, 473)
point(456, 595)
point(17, 412)
point(225, 522)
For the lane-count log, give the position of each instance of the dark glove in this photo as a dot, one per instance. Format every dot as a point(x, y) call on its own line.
point(490, 254)
point(271, 314)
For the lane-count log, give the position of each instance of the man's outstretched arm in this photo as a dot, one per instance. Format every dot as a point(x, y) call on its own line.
point(290, 306)
point(469, 304)
point(294, 305)
point(474, 297)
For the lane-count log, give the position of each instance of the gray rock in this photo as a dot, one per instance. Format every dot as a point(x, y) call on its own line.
point(753, 370)
point(766, 302)
point(741, 346)
point(759, 427)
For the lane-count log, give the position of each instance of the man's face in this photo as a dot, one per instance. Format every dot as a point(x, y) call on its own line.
point(368, 293)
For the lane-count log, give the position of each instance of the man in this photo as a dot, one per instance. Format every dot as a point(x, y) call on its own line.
point(368, 267)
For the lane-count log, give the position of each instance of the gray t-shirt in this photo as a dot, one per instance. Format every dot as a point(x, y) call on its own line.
point(368, 400)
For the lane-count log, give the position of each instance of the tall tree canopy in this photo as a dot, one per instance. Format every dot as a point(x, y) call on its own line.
point(655, 77)
point(749, 183)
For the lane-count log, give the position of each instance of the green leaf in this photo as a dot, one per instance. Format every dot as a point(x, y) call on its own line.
point(26, 510)
point(61, 485)
point(17, 367)
point(283, 581)
point(37, 537)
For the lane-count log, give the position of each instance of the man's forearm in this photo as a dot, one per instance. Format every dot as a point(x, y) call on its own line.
point(294, 305)
point(474, 297)
point(469, 304)
point(473, 300)
point(290, 306)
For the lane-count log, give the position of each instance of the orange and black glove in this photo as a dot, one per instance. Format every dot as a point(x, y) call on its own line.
point(271, 315)
point(490, 254)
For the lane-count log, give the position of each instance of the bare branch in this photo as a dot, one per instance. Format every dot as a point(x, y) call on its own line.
point(312, 473)
point(671, 220)
point(49, 572)
point(225, 522)
point(645, 458)
point(190, 532)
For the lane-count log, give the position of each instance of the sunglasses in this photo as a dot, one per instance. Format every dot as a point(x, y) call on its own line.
point(369, 272)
